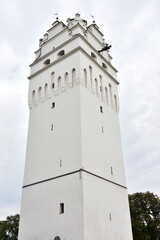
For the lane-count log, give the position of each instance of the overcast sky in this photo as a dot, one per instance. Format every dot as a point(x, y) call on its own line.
point(133, 30)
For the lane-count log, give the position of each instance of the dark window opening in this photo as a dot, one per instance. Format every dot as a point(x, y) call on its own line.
point(60, 163)
point(53, 105)
point(51, 127)
point(61, 210)
point(101, 109)
point(47, 62)
point(102, 129)
point(104, 65)
point(57, 238)
point(111, 170)
point(93, 55)
point(110, 217)
point(52, 85)
point(61, 53)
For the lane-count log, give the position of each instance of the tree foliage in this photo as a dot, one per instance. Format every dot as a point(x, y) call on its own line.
point(145, 216)
point(9, 228)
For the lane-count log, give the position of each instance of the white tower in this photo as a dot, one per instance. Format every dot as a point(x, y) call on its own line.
point(74, 182)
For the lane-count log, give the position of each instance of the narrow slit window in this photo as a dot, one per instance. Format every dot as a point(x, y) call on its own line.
point(51, 127)
point(39, 93)
point(106, 91)
point(61, 210)
point(96, 85)
point(90, 72)
point(102, 129)
point(110, 217)
point(85, 77)
point(52, 80)
point(53, 105)
point(101, 109)
point(111, 170)
point(115, 102)
point(60, 162)
point(110, 91)
point(33, 96)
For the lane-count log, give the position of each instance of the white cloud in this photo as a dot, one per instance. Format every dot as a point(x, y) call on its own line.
point(9, 61)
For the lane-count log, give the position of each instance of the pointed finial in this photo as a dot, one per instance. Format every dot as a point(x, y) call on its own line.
point(92, 16)
point(56, 15)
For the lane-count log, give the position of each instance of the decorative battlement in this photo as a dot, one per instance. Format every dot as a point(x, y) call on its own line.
point(57, 85)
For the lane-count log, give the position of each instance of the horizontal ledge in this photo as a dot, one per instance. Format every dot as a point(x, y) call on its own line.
point(79, 170)
point(75, 50)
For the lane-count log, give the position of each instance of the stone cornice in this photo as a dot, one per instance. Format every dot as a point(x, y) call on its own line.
point(69, 40)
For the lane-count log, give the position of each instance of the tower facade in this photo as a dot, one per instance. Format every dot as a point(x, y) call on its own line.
point(74, 182)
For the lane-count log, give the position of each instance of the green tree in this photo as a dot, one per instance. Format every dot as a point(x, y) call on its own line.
point(145, 216)
point(9, 228)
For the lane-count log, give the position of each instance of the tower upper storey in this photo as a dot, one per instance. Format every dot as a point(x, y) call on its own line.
point(62, 39)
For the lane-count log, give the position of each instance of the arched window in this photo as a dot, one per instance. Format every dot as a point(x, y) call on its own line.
point(61, 53)
point(101, 85)
point(90, 72)
point(110, 91)
point(96, 85)
point(93, 55)
point(85, 77)
point(57, 238)
point(59, 83)
point(66, 80)
point(106, 93)
point(104, 66)
point(46, 62)
point(33, 96)
point(73, 76)
point(45, 89)
point(115, 102)
point(39, 93)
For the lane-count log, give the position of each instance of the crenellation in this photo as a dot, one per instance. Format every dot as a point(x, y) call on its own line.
point(98, 87)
